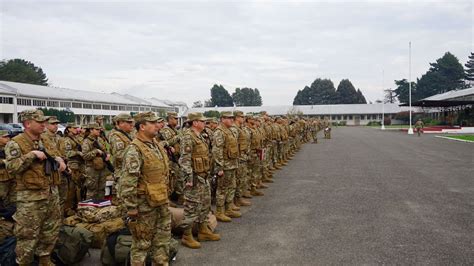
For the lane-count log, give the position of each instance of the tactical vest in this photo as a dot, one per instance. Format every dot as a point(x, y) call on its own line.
point(154, 174)
point(231, 147)
point(33, 178)
point(125, 140)
point(50, 145)
point(4, 176)
point(256, 139)
point(242, 140)
point(200, 156)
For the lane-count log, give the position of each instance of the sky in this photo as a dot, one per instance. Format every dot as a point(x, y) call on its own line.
point(178, 49)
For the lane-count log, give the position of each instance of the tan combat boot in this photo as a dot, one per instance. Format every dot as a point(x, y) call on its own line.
point(234, 207)
point(247, 195)
point(256, 192)
point(188, 240)
point(205, 234)
point(221, 217)
point(231, 213)
point(267, 180)
point(243, 202)
point(261, 185)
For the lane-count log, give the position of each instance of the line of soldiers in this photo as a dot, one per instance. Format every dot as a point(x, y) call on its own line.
point(153, 164)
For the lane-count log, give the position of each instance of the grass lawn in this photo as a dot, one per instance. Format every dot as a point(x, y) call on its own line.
point(463, 137)
point(393, 126)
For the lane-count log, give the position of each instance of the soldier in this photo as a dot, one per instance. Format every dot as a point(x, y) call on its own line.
point(196, 163)
point(419, 125)
point(243, 140)
point(38, 215)
point(119, 139)
point(7, 182)
point(256, 155)
point(100, 121)
point(171, 136)
point(144, 193)
point(327, 128)
point(225, 152)
point(72, 151)
point(96, 158)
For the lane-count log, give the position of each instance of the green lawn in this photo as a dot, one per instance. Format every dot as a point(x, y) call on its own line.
point(463, 137)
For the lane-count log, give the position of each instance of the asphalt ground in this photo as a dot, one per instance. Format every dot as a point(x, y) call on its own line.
point(365, 196)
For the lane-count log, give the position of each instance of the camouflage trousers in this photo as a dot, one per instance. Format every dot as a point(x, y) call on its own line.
point(36, 226)
point(151, 234)
point(255, 169)
point(197, 202)
point(226, 185)
point(241, 179)
point(275, 152)
point(177, 180)
point(7, 191)
point(95, 182)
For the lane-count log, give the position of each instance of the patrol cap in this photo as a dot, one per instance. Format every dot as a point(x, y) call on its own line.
point(99, 117)
point(123, 117)
point(239, 113)
point(146, 117)
point(94, 126)
point(160, 119)
point(212, 120)
point(53, 120)
point(196, 116)
point(172, 115)
point(227, 114)
point(250, 117)
point(33, 114)
point(72, 125)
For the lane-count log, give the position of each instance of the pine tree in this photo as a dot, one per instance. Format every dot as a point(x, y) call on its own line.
point(470, 68)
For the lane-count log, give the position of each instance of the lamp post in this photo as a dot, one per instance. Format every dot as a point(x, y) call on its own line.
point(410, 130)
point(383, 101)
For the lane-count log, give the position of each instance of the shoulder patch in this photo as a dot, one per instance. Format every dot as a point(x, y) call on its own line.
point(14, 152)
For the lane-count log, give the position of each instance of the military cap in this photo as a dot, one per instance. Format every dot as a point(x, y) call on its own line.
point(227, 114)
point(123, 117)
point(239, 113)
point(146, 117)
point(4, 133)
point(33, 114)
point(99, 117)
point(196, 116)
point(94, 126)
point(72, 125)
point(53, 120)
point(212, 120)
point(263, 112)
point(160, 119)
point(172, 115)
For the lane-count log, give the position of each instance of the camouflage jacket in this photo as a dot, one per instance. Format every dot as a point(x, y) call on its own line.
point(89, 152)
point(219, 148)
point(189, 141)
point(172, 138)
point(119, 140)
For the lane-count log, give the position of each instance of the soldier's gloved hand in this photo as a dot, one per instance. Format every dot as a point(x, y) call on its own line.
point(132, 213)
point(39, 154)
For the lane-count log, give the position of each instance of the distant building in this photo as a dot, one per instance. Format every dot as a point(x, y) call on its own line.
point(86, 105)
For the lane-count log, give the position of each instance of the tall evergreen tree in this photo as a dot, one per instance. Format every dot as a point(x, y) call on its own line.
point(360, 97)
point(20, 70)
point(247, 97)
point(322, 91)
point(346, 93)
point(220, 96)
point(402, 90)
point(470, 68)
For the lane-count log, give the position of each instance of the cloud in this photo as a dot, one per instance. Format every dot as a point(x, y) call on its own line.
point(179, 49)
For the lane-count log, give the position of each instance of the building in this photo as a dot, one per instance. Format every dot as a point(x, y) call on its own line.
point(351, 114)
point(86, 105)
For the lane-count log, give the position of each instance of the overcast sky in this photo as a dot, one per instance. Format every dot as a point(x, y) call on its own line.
point(178, 49)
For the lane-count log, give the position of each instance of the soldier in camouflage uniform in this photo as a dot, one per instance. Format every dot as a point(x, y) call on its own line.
point(196, 165)
point(225, 152)
point(243, 140)
point(255, 157)
point(172, 137)
point(7, 182)
point(38, 215)
point(119, 138)
point(72, 151)
point(144, 193)
point(95, 172)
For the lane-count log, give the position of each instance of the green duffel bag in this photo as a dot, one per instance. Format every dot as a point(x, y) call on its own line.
point(116, 250)
point(72, 245)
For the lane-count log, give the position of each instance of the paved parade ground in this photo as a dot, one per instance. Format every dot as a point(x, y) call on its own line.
point(363, 197)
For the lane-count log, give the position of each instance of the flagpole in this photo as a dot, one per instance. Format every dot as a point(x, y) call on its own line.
point(410, 130)
point(383, 100)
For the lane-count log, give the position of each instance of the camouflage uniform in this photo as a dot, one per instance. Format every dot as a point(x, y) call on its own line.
point(226, 157)
point(243, 140)
point(95, 171)
point(7, 182)
point(73, 154)
point(172, 138)
point(144, 187)
point(255, 158)
point(37, 219)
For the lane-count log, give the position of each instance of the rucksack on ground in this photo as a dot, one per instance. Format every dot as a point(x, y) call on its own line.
point(72, 245)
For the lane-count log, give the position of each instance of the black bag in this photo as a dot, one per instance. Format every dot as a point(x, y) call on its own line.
point(72, 245)
point(7, 251)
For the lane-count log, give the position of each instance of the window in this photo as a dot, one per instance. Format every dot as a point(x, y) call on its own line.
point(53, 104)
point(8, 100)
point(39, 103)
point(113, 107)
point(345, 117)
point(135, 108)
point(106, 107)
point(65, 104)
point(22, 101)
point(129, 108)
point(87, 106)
point(76, 105)
point(350, 117)
point(339, 117)
point(121, 108)
point(142, 108)
point(97, 106)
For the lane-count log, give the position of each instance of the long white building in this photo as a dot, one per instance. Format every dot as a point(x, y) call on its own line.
point(86, 105)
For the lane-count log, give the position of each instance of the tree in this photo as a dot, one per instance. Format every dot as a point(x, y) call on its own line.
point(402, 90)
point(346, 93)
point(212, 113)
point(360, 97)
point(322, 91)
point(470, 68)
point(444, 75)
point(62, 115)
point(247, 97)
point(197, 104)
point(19, 70)
point(390, 96)
point(220, 96)
point(208, 103)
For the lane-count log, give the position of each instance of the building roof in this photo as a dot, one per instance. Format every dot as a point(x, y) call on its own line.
point(447, 99)
point(452, 95)
point(335, 109)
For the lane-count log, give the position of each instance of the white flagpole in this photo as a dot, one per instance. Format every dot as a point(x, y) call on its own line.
point(410, 130)
point(383, 100)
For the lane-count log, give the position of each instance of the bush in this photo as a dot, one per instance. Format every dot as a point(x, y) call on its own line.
point(108, 127)
point(374, 123)
point(342, 123)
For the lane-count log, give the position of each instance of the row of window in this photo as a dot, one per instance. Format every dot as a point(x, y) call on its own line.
point(29, 102)
point(351, 117)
